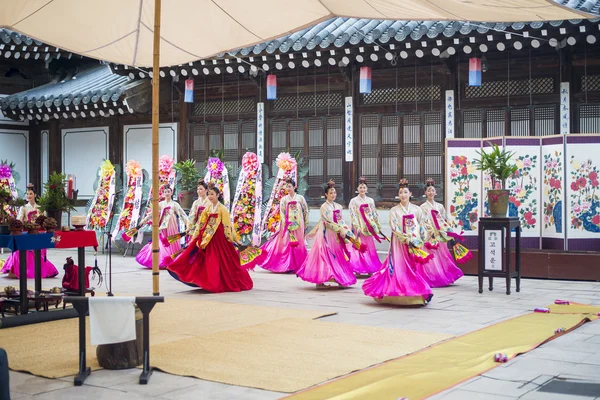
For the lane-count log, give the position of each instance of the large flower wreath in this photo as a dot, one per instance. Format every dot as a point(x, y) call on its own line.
point(217, 175)
point(247, 202)
point(288, 169)
point(100, 209)
point(166, 174)
point(132, 202)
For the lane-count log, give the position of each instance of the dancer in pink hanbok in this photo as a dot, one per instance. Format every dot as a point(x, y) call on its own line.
point(28, 213)
point(398, 282)
point(329, 259)
point(366, 228)
point(197, 207)
point(441, 270)
point(285, 251)
point(169, 211)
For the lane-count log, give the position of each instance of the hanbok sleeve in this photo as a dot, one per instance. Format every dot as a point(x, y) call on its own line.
point(181, 213)
point(354, 216)
point(396, 225)
point(375, 214)
point(327, 218)
point(22, 214)
point(230, 233)
point(304, 211)
point(282, 210)
point(192, 216)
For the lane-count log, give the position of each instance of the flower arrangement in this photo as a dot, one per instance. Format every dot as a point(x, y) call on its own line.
point(288, 169)
point(31, 227)
point(553, 171)
point(217, 175)
point(584, 195)
point(99, 213)
point(464, 203)
point(244, 211)
point(8, 196)
point(166, 174)
point(15, 225)
point(134, 175)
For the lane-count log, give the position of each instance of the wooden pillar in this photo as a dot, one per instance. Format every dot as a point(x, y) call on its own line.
point(35, 157)
point(115, 134)
point(183, 136)
point(54, 147)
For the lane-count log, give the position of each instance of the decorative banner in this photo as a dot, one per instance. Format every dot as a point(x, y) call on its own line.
point(132, 202)
point(365, 80)
point(493, 250)
point(271, 87)
point(288, 168)
point(166, 175)
point(449, 114)
point(260, 132)
point(583, 192)
point(189, 91)
point(463, 186)
point(525, 188)
point(99, 213)
point(474, 71)
point(247, 201)
point(565, 108)
point(349, 140)
point(217, 175)
point(553, 192)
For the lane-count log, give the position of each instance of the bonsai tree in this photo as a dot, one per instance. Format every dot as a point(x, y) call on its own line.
point(55, 198)
point(188, 175)
point(497, 164)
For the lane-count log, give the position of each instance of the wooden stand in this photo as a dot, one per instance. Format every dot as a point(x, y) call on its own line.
point(504, 226)
point(145, 304)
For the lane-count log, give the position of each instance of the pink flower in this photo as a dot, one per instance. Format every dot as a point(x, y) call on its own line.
point(546, 219)
point(453, 173)
point(577, 209)
point(498, 186)
point(574, 186)
point(468, 196)
point(596, 220)
point(527, 162)
point(517, 189)
point(585, 206)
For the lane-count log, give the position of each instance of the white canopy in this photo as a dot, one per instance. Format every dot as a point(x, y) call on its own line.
point(121, 31)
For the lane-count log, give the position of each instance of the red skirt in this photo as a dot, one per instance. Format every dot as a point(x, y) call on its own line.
point(215, 269)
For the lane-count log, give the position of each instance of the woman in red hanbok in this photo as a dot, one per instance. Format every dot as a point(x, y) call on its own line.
point(211, 260)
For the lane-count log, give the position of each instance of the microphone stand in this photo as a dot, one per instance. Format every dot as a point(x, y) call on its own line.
point(109, 244)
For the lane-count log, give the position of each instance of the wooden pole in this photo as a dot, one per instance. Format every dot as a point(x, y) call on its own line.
point(155, 181)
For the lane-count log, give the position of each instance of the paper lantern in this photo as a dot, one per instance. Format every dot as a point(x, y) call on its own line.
point(474, 71)
point(189, 91)
point(365, 80)
point(271, 87)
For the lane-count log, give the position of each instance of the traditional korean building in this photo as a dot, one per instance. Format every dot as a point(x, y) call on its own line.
point(77, 111)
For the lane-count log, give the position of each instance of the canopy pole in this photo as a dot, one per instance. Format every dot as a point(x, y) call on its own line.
point(155, 180)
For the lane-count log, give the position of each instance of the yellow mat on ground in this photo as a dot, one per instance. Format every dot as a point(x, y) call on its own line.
point(438, 368)
point(51, 349)
point(287, 355)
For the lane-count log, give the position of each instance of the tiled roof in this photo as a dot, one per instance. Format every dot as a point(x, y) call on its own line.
point(339, 32)
point(15, 45)
point(95, 85)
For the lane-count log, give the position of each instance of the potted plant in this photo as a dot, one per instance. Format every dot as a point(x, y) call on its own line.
point(187, 179)
point(50, 224)
point(15, 226)
point(54, 201)
point(8, 209)
point(497, 163)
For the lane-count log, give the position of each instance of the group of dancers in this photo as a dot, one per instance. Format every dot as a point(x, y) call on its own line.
point(418, 259)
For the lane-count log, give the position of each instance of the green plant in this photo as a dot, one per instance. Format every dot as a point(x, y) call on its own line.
point(55, 196)
point(188, 175)
point(497, 164)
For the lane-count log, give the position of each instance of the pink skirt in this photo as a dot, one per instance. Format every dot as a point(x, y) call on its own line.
point(368, 261)
point(278, 254)
point(441, 270)
point(326, 260)
point(11, 266)
point(144, 257)
point(398, 278)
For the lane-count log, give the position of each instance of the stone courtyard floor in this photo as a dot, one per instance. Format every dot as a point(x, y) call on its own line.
point(459, 309)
